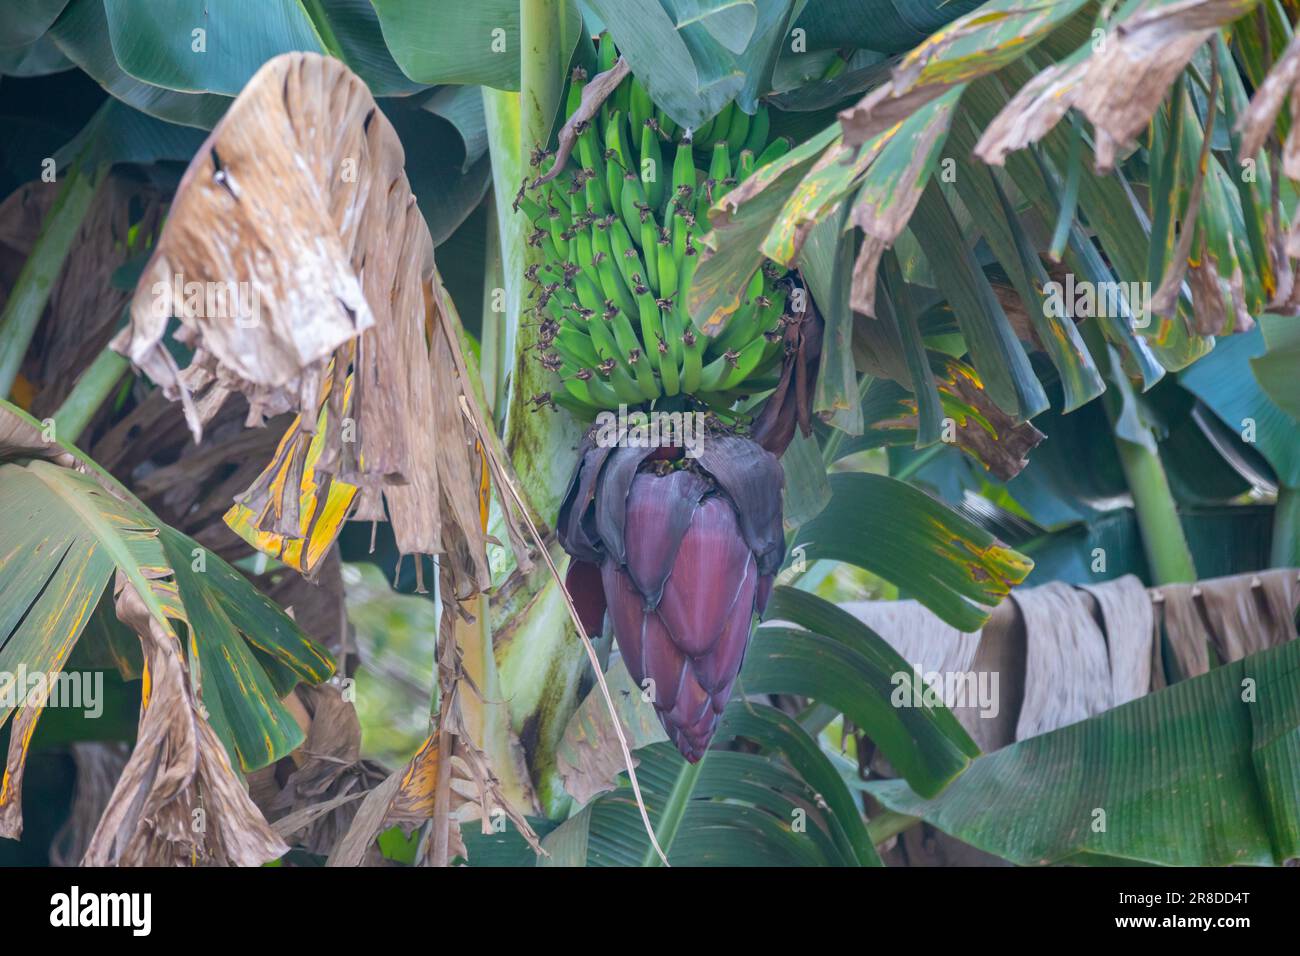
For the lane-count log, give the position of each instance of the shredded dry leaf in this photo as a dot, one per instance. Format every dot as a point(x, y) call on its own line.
point(298, 208)
point(178, 802)
point(1118, 85)
point(1257, 126)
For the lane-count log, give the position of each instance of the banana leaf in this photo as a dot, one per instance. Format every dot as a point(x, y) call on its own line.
point(1198, 774)
point(462, 43)
point(66, 532)
point(887, 527)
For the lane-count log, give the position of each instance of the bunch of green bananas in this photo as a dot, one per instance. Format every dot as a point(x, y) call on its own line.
point(618, 234)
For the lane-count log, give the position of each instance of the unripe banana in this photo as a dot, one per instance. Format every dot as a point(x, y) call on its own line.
point(652, 163)
point(667, 267)
point(738, 130)
point(616, 159)
point(640, 107)
point(717, 129)
point(683, 175)
point(759, 125)
point(617, 235)
point(774, 151)
point(744, 166)
point(631, 199)
point(650, 247)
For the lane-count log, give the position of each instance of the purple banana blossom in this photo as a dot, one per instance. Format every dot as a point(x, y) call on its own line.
point(682, 553)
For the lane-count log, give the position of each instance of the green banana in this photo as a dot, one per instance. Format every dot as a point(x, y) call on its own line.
point(744, 165)
point(630, 200)
point(652, 162)
point(729, 369)
point(576, 347)
point(719, 173)
point(683, 175)
point(617, 232)
point(738, 131)
point(667, 267)
point(616, 159)
point(774, 151)
point(759, 126)
point(666, 124)
point(611, 281)
point(717, 129)
point(702, 132)
point(640, 107)
point(650, 246)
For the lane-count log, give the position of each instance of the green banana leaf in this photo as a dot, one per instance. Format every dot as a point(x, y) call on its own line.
point(742, 809)
point(695, 56)
point(746, 810)
point(837, 661)
point(840, 661)
point(462, 43)
point(23, 22)
point(1225, 381)
point(949, 564)
point(826, 265)
point(1224, 540)
point(1275, 367)
point(81, 34)
point(119, 134)
point(66, 532)
point(886, 25)
point(38, 58)
point(995, 351)
point(158, 43)
point(1202, 773)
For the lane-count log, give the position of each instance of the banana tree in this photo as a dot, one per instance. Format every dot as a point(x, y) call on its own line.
point(815, 227)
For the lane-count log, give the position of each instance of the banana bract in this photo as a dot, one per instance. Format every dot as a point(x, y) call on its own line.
point(683, 559)
point(617, 225)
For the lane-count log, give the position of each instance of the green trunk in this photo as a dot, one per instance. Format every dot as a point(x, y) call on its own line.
point(1163, 542)
point(92, 388)
point(32, 290)
point(539, 657)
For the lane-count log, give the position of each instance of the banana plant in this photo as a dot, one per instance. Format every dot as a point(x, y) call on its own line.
point(791, 217)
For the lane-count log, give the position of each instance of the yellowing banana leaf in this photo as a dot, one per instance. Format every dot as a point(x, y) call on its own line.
point(739, 221)
point(1117, 81)
point(893, 186)
point(178, 773)
point(981, 42)
point(67, 528)
point(323, 501)
point(950, 565)
point(340, 317)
